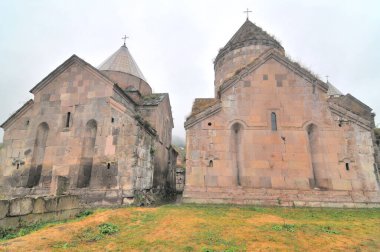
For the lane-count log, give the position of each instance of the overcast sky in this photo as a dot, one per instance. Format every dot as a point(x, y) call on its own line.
point(174, 42)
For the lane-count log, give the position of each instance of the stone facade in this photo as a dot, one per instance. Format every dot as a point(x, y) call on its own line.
point(98, 133)
point(273, 130)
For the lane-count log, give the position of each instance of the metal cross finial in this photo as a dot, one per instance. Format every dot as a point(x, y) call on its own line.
point(125, 38)
point(327, 78)
point(247, 11)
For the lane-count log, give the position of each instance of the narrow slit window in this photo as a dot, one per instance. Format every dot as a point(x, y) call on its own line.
point(108, 166)
point(112, 120)
point(274, 121)
point(347, 166)
point(68, 119)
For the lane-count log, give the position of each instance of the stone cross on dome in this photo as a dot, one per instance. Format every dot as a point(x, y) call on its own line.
point(125, 38)
point(247, 11)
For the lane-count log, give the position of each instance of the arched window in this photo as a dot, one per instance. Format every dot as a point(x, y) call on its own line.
point(237, 132)
point(38, 155)
point(273, 119)
point(88, 148)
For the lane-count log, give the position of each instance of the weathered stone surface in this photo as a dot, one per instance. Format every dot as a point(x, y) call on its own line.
point(128, 201)
point(20, 206)
point(51, 204)
point(67, 202)
point(4, 208)
point(39, 205)
point(10, 222)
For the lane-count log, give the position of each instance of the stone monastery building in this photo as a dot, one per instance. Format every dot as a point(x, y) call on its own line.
point(96, 132)
point(275, 134)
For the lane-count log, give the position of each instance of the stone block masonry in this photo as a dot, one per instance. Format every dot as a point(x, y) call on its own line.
point(24, 211)
point(286, 198)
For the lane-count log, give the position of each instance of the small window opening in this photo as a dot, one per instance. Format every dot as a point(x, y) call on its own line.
point(347, 166)
point(274, 121)
point(340, 124)
point(265, 77)
point(108, 166)
point(279, 83)
point(378, 142)
point(210, 163)
point(209, 124)
point(18, 165)
point(27, 123)
point(112, 120)
point(68, 119)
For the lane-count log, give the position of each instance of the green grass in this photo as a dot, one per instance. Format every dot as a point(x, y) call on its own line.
point(215, 228)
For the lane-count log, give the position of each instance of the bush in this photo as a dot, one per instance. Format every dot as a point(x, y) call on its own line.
point(84, 213)
point(108, 228)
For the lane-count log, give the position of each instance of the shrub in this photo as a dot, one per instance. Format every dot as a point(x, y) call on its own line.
point(108, 228)
point(84, 213)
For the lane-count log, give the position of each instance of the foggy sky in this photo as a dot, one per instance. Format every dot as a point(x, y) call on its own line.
point(174, 42)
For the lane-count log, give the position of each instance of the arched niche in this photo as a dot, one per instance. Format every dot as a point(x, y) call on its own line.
point(88, 151)
point(38, 155)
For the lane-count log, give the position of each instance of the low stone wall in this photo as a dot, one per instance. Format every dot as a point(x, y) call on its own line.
point(24, 211)
point(287, 198)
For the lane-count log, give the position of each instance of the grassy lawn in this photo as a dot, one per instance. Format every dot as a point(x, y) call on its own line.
point(209, 228)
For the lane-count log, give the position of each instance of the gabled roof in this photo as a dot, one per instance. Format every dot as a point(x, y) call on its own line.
point(279, 57)
point(249, 34)
point(61, 68)
point(18, 112)
point(122, 61)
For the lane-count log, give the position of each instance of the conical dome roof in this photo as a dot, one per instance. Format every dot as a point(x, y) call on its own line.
point(249, 34)
point(122, 61)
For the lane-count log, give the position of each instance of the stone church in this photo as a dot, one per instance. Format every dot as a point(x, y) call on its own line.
point(96, 132)
point(275, 134)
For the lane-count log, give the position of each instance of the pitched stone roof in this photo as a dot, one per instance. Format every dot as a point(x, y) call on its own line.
point(21, 110)
point(153, 99)
point(333, 91)
point(122, 61)
point(201, 104)
point(249, 34)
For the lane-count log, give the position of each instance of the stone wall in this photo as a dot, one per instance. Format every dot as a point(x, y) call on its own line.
point(233, 61)
point(180, 179)
point(288, 198)
point(19, 212)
